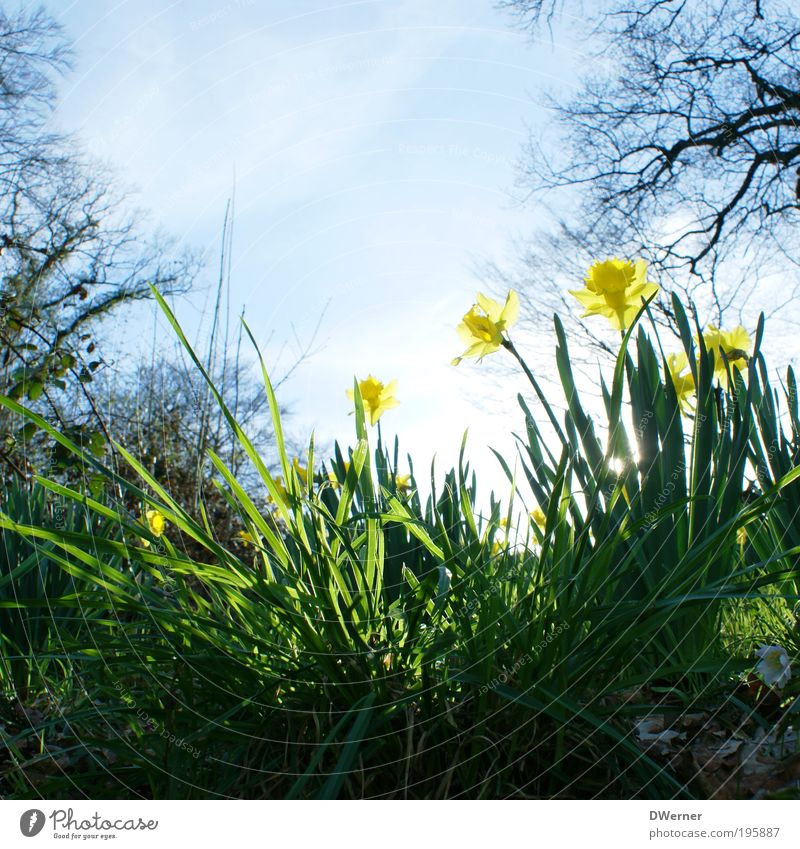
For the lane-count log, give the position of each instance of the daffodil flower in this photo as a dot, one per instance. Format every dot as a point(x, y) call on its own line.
point(539, 517)
point(402, 483)
point(614, 289)
point(774, 667)
point(302, 471)
point(377, 397)
point(683, 383)
point(733, 346)
point(499, 547)
point(483, 326)
point(279, 485)
point(246, 539)
point(156, 522)
point(333, 480)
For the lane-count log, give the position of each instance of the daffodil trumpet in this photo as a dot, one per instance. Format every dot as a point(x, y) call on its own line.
point(377, 397)
point(615, 288)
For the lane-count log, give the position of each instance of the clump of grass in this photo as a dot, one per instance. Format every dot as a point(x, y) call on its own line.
point(370, 644)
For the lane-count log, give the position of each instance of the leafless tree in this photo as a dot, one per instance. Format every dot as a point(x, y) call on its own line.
point(71, 252)
point(157, 411)
point(682, 145)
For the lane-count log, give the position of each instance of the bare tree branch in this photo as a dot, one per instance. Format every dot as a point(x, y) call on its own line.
point(688, 150)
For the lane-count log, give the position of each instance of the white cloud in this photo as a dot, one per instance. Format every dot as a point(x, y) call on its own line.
point(373, 143)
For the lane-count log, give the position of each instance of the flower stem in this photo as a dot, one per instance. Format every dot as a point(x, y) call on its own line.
point(509, 346)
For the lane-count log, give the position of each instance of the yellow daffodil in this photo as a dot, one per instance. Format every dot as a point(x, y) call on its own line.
point(774, 667)
point(683, 383)
point(539, 517)
point(333, 480)
point(302, 471)
point(279, 485)
point(736, 346)
point(615, 288)
point(498, 548)
point(156, 522)
point(402, 483)
point(246, 538)
point(376, 396)
point(483, 326)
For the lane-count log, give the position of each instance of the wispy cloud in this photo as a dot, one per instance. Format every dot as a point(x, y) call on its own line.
point(373, 145)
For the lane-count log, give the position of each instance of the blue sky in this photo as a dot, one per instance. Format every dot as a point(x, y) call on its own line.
point(373, 147)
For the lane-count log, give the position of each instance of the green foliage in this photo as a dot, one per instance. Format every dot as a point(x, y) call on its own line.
point(373, 642)
point(40, 609)
point(647, 525)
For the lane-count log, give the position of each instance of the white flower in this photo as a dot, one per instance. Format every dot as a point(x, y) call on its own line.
point(774, 667)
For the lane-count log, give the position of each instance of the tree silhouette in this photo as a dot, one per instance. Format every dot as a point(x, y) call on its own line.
point(681, 144)
point(70, 253)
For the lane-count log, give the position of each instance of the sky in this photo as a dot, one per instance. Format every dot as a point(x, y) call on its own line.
point(371, 147)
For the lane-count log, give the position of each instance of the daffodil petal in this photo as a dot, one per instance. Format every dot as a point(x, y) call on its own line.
point(490, 307)
point(510, 313)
